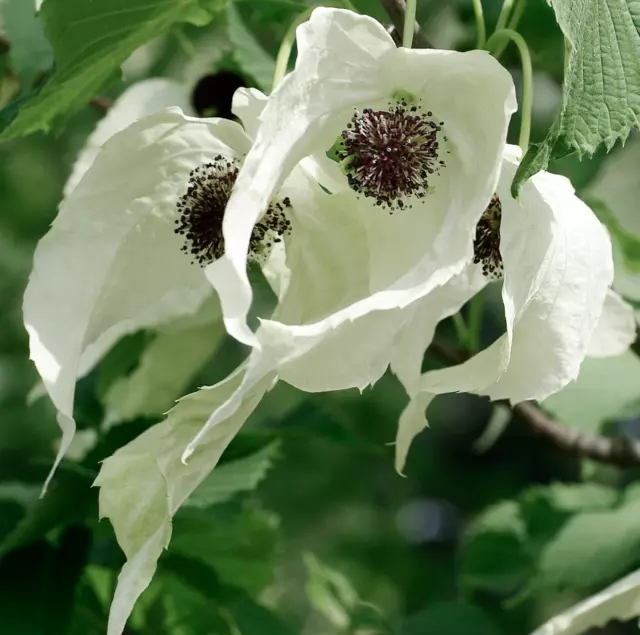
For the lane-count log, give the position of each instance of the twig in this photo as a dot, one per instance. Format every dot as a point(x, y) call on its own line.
point(101, 103)
point(396, 10)
point(621, 451)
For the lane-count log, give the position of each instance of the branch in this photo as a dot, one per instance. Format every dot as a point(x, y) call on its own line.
point(396, 10)
point(621, 451)
point(101, 103)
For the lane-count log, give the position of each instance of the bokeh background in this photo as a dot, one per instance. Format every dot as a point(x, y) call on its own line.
point(306, 528)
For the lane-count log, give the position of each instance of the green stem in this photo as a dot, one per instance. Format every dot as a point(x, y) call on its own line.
point(513, 22)
point(409, 23)
point(527, 79)
point(504, 14)
point(462, 330)
point(284, 53)
point(476, 310)
point(481, 29)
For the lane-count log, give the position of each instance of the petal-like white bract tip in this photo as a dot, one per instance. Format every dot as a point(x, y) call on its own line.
point(143, 98)
point(616, 329)
point(145, 482)
point(348, 61)
point(412, 421)
point(557, 272)
point(112, 263)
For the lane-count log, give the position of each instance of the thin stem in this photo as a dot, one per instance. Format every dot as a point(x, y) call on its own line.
point(513, 23)
point(476, 310)
point(284, 53)
point(481, 29)
point(409, 23)
point(504, 14)
point(462, 330)
point(527, 79)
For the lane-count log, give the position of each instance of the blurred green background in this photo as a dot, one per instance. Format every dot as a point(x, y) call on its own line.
point(310, 530)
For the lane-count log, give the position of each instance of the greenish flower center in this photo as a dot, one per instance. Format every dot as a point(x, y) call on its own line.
point(486, 245)
point(201, 212)
point(391, 155)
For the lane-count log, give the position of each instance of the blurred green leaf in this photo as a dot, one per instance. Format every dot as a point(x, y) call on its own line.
point(239, 542)
point(30, 52)
point(452, 618)
point(68, 499)
point(601, 84)
point(37, 584)
point(505, 547)
point(247, 617)
point(330, 592)
point(614, 534)
point(248, 52)
point(90, 41)
point(584, 404)
point(233, 478)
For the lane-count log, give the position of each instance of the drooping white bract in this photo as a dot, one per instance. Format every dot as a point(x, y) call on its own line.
point(139, 100)
point(119, 256)
point(417, 133)
point(555, 259)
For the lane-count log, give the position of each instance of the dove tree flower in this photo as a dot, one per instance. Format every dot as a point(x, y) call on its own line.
point(554, 259)
point(126, 249)
point(418, 135)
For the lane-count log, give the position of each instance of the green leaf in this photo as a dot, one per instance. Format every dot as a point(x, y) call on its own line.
point(233, 478)
point(496, 556)
point(247, 51)
point(584, 405)
point(601, 96)
point(90, 41)
point(165, 369)
point(30, 53)
point(37, 584)
point(591, 549)
point(330, 592)
point(241, 544)
point(69, 498)
point(505, 548)
point(452, 618)
point(247, 617)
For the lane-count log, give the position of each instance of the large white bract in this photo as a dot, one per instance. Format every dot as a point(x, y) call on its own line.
point(112, 262)
point(557, 271)
point(419, 133)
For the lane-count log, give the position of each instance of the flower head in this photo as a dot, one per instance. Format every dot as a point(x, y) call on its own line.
point(554, 259)
point(417, 133)
point(114, 259)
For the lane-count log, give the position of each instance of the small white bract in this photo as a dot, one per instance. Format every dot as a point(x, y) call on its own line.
point(555, 259)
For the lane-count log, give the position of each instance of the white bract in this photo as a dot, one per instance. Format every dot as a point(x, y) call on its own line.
point(419, 135)
point(422, 134)
point(556, 264)
point(119, 256)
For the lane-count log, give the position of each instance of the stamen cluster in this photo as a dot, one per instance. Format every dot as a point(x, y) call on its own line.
point(486, 245)
point(201, 212)
point(390, 155)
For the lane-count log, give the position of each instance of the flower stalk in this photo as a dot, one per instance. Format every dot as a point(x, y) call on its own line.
point(498, 38)
point(481, 29)
point(409, 24)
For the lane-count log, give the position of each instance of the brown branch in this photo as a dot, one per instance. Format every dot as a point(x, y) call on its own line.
point(396, 10)
point(621, 451)
point(101, 103)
